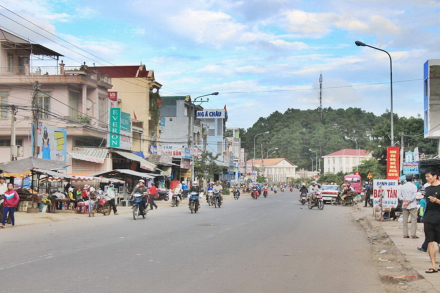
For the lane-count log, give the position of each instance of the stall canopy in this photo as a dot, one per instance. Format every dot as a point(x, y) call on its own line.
point(54, 176)
point(114, 173)
point(25, 165)
point(95, 155)
point(144, 164)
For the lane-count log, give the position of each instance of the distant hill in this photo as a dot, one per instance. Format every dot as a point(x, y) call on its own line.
point(295, 132)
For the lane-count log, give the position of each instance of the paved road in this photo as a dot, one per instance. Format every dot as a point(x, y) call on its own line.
point(267, 245)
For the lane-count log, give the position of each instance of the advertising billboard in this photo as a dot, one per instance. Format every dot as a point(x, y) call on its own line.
point(393, 166)
point(52, 142)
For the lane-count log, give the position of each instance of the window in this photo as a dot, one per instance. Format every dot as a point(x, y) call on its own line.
point(219, 147)
point(426, 87)
point(44, 105)
point(426, 119)
point(103, 111)
point(219, 127)
point(3, 103)
point(73, 105)
point(7, 142)
point(10, 62)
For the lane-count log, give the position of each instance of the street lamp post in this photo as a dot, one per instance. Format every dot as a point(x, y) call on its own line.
point(316, 163)
point(357, 161)
point(312, 163)
point(191, 130)
point(267, 154)
point(358, 43)
point(254, 140)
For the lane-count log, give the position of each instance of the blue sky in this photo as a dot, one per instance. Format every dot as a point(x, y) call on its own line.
point(261, 55)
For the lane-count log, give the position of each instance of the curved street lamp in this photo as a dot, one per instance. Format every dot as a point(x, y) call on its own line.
point(358, 43)
point(316, 163)
point(267, 154)
point(254, 140)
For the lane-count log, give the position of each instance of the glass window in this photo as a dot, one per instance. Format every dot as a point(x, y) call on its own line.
point(10, 62)
point(219, 127)
point(7, 142)
point(44, 105)
point(3, 103)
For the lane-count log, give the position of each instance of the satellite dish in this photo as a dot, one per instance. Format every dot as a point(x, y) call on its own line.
point(89, 104)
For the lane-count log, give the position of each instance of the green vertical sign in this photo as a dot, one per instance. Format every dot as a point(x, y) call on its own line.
point(125, 121)
point(115, 127)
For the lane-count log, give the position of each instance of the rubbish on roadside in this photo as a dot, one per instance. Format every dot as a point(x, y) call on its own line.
point(383, 251)
point(390, 268)
point(382, 259)
point(374, 238)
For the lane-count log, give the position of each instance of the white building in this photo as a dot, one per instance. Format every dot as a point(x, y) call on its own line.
point(344, 160)
point(275, 170)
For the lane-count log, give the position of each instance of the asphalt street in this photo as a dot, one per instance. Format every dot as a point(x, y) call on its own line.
point(272, 244)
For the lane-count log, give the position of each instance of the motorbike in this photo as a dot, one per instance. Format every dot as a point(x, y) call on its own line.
point(265, 193)
point(175, 199)
point(255, 194)
point(102, 205)
point(162, 194)
point(349, 199)
point(137, 201)
point(317, 202)
point(216, 198)
point(275, 190)
point(303, 198)
point(291, 189)
point(282, 189)
point(210, 197)
point(193, 206)
point(236, 194)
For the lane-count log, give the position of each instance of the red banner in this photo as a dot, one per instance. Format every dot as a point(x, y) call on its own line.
point(393, 166)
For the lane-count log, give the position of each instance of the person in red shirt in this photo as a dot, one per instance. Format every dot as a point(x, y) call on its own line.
point(153, 191)
point(85, 193)
point(11, 200)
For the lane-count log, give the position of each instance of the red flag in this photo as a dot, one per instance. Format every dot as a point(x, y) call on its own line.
point(225, 107)
point(134, 115)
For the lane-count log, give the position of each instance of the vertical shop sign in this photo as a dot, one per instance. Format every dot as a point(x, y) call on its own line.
point(115, 127)
point(393, 166)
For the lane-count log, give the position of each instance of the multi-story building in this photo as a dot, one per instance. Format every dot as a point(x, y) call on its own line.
point(344, 160)
point(234, 150)
point(71, 105)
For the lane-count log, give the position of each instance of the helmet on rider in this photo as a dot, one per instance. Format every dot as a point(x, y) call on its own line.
point(142, 181)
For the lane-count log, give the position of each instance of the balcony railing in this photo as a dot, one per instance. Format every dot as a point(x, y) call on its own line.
point(53, 70)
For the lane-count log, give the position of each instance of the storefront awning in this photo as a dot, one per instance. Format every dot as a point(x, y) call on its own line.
point(127, 172)
point(95, 155)
point(144, 163)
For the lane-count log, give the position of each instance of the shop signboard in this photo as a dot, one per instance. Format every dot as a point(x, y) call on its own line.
point(211, 114)
point(393, 166)
point(410, 168)
point(387, 190)
point(114, 140)
point(113, 97)
point(185, 164)
point(197, 150)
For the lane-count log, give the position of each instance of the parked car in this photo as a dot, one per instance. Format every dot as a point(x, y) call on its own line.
point(329, 192)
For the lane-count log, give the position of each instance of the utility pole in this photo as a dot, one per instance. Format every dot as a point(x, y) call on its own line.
point(13, 138)
point(402, 154)
point(36, 88)
point(320, 94)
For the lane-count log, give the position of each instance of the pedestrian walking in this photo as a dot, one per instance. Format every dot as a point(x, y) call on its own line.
point(153, 191)
point(432, 216)
point(184, 189)
point(3, 185)
point(11, 200)
point(407, 194)
point(112, 195)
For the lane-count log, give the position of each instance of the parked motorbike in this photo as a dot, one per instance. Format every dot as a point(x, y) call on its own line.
point(255, 194)
point(137, 202)
point(217, 201)
point(175, 199)
point(193, 206)
point(236, 194)
point(317, 202)
point(303, 198)
point(265, 193)
point(102, 205)
point(162, 194)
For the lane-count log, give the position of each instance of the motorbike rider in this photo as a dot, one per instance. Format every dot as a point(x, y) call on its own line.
point(142, 189)
point(265, 188)
point(302, 190)
point(237, 189)
point(347, 190)
point(209, 188)
point(179, 191)
point(313, 190)
point(218, 189)
point(195, 188)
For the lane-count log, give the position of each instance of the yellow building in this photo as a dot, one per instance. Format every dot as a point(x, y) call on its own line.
point(136, 92)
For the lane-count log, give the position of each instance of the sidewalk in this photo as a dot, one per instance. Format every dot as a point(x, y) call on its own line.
point(419, 261)
point(25, 219)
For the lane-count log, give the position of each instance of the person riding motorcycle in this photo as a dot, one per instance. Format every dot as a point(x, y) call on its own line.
point(179, 190)
point(265, 188)
point(194, 188)
point(237, 189)
point(313, 190)
point(142, 189)
point(302, 190)
point(209, 188)
point(218, 189)
point(347, 190)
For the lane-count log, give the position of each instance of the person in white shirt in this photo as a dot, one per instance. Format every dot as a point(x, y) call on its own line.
point(407, 194)
point(112, 194)
point(3, 185)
